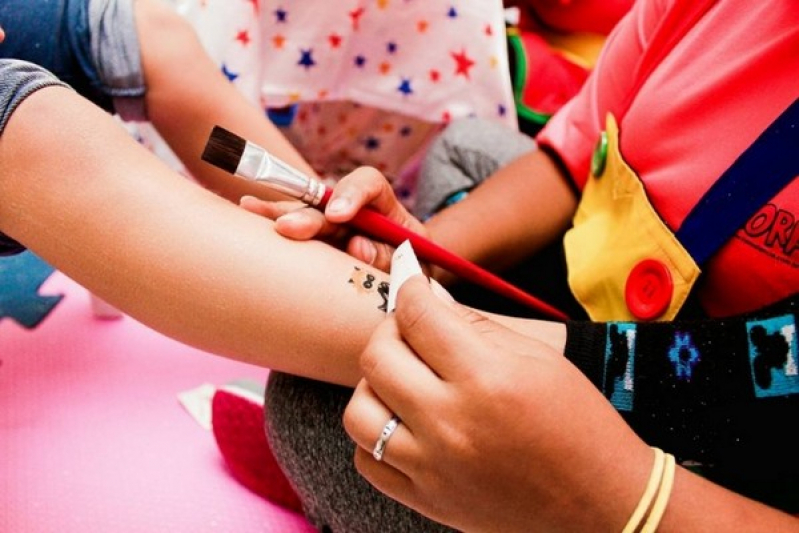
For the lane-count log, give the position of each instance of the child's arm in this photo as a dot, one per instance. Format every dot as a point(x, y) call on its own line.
point(99, 207)
point(187, 95)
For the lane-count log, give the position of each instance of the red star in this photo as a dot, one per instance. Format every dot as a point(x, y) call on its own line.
point(243, 37)
point(435, 76)
point(255, 5)
point(489, 31)
point(462, 63)
point(446, 117)
point(335, 40)
point(356, 15)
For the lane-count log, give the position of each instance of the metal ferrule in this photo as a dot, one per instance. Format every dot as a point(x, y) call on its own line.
point(258, 165)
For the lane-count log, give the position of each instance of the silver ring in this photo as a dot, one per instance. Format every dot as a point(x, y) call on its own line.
point(388, 430)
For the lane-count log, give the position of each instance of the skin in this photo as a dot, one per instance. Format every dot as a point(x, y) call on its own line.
point(102, 209)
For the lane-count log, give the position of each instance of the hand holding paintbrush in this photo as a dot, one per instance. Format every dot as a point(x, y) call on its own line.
point(244, 159)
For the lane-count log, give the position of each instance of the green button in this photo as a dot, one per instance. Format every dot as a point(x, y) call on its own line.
point(600, 156)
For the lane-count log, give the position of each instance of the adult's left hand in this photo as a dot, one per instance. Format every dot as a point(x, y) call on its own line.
point(498, 431)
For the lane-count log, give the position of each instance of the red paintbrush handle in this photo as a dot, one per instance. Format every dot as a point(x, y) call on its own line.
point(380, 227)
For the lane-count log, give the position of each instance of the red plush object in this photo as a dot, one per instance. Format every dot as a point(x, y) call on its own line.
point(238, 426)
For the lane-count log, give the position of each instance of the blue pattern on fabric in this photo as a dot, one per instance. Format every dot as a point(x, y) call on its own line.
point(619, 371)
point(684, 356)
point(21, 276)
point(773, 356)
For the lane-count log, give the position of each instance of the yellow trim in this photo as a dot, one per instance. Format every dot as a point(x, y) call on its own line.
point(615, 228)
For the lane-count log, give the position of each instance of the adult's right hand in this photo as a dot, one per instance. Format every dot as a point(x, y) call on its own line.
point(364, 188)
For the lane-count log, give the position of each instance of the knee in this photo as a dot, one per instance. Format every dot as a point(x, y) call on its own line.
point(459, 133)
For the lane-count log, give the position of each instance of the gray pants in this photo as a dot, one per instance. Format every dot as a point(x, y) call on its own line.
point(467, 152)
point(304, 417)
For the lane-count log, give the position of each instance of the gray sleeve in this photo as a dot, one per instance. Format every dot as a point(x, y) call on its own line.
point(18, 80)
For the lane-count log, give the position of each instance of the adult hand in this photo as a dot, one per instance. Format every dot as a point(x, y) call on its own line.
point(363, 188)
point(499, 432)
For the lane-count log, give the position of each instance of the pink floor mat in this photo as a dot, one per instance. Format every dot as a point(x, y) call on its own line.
point(92, 435)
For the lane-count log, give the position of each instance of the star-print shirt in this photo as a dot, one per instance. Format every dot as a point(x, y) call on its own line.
point(707, 99)
point(367, 82)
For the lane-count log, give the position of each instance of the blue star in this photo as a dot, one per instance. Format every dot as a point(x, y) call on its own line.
point(391, 47)
point(20, 278)
point(306, 59)
point(360, 61)
point(281, 15)
point(405, 131)
point(502, 110)
point(372, 143)
point(231, 76)
point(452, 13)
point(405, 87)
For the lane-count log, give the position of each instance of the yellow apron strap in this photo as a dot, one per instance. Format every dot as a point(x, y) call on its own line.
point(624, 262)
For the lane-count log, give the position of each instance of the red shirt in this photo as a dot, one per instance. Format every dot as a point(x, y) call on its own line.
point(707, 99)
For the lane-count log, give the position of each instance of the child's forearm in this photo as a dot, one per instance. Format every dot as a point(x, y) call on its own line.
point(99, 207)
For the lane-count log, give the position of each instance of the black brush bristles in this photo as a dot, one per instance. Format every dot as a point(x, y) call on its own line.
point(224, 149)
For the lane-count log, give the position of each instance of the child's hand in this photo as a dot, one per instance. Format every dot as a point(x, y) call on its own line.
point(365, 187)
point(296, 221)
point(2, 34)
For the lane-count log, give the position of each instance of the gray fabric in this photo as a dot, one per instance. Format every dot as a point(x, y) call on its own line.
point(18, 80)
point(117, 56)
point(305, 431)
point(466, 153)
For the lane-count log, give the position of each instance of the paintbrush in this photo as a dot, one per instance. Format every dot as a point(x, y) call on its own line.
point(247, 160)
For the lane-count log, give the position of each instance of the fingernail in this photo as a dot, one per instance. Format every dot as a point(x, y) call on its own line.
point(440, 291)
point(291, 216)
point(367, 250)
point(338, 205)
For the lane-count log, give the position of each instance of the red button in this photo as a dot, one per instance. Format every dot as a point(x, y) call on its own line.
point(648, 290)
